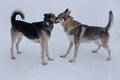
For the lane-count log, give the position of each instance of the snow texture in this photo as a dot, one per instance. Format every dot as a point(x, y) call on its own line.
point(88, 66)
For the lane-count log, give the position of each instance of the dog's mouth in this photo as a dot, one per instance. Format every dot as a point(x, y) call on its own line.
point(56, 20)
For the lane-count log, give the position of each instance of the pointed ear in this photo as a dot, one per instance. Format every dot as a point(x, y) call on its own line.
point(66, 10)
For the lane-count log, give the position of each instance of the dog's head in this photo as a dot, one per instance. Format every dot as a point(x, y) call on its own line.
point(62, 16)
point(50, 17)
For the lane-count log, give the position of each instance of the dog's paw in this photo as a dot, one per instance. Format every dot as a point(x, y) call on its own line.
point(94, 51)
point(19, 52)
point(13, 58)
point(50, 59)
point(108, 59)
point(62, 56)
point(44, 63)
point(71, 60)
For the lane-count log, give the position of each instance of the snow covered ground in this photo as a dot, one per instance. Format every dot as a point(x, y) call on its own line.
point(88, 66)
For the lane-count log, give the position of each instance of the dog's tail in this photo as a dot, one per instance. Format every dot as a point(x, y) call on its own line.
point(110, 21)
point(15, 13)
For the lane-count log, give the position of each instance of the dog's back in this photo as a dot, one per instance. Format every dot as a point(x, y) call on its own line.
point(24, 27)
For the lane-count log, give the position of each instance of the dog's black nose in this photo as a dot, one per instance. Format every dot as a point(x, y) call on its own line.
point(56, 21)
point(56, 18)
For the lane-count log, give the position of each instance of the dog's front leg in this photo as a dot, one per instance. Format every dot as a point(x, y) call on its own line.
point(77, 43)
point(43, 48)
point(75, 52)
point(68, 50)
point(47, 53)
point(42, 55)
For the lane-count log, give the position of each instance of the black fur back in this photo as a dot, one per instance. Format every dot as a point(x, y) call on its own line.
point(31, 30)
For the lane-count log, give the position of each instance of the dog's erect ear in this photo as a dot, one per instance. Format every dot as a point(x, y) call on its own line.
point(67, 11)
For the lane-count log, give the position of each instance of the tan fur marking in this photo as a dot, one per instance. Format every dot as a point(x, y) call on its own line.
point(70, 24)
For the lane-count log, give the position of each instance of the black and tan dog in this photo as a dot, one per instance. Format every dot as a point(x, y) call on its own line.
point(78, 32)
point(38, 32)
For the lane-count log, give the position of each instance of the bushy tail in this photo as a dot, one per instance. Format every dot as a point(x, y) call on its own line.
point(15, 13)
point(110, 21)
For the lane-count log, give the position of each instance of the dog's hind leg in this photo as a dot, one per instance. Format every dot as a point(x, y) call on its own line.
point(14, 35)
point(68, 50)
point(105, 45)
point(99, 46)
point(43, 48)
point(20, 36)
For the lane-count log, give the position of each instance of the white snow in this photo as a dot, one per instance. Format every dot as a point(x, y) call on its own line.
point(88, 66)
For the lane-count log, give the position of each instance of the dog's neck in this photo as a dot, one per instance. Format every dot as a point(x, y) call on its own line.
point(48, 26)
point(67, 22)
point(48, 21)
